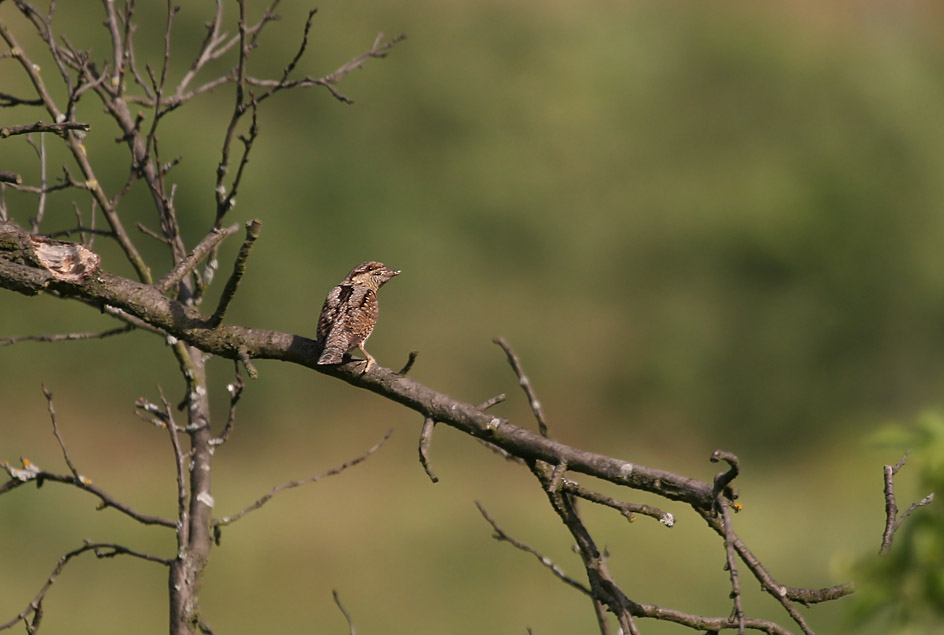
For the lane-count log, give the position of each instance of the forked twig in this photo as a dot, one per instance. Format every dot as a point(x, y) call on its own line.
point(500, 535)
point(892, 520)
point(101, 550)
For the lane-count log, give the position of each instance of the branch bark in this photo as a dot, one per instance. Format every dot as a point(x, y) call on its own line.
point(147, 303)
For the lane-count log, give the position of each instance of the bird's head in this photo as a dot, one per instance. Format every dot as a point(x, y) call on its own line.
point(371, 274)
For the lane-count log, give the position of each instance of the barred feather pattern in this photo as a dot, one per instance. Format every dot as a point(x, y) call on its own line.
point(347, 320)
point(350, 312)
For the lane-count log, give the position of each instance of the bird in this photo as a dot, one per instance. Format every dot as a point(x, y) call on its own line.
point(350, 313)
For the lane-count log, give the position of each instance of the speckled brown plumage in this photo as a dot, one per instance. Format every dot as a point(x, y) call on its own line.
point(350, 313)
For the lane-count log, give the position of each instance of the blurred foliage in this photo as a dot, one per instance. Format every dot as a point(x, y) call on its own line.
point(700, 225)
point(901, 592)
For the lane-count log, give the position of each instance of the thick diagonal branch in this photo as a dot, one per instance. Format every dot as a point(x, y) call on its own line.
point(184, 322)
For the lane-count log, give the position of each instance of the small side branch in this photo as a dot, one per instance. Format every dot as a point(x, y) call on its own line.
point(185, 266)
point(101, 550)
point(246, 359)
point(501, 536)
point(731, 563)
point(183, 516)
point(31, 472)
point(409, 364)
point(525, 384)
point(228, 520)
point(347, 616)
point(39, 126)
point(628, 510)
point(723, 479)
point(892, 520)
point(605, 592)
point(378, 49)
point(235, 389)
point(426, 439)
point(63, 337)
point(783, 594)
point(55, 431)
point(253, 228)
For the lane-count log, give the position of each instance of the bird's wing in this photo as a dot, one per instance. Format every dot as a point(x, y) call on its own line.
point(333, 310)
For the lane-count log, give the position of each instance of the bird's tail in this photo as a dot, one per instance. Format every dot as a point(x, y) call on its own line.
point(332, 354)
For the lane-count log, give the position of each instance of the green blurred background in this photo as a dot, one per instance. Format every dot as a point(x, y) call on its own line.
point(700, 225)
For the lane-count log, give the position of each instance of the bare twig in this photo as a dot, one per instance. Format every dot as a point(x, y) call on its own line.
point(117, 42)
point(347, 616)
point(223, 203)
point(41, 206)
point(377, 50)
point(228, 201)
point(185, 266)
point(101, 550)
point(153, 234)
point(557, 477)
point(55, 431)
point(500, 535)
point(81, 230)
point(7, 101)
point(892, 520)
point(253, 228)
point(731, 563)
point(244, 356)
point(106, 500)
point(626, 509)
point(604, 590)
point(525, 384)
point(183, 516)
point(723, 479)
point(783, 594)
point(409, 364)
point(426, 439)
point(235, 389)
point(210, 49)
point(227, 520)
point(64, 337)
point(39, 126)
point(493, 401)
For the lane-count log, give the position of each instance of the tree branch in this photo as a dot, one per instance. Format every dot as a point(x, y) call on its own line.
point(228, 520)
point(101, 550)
point(39, 126)
point(253, 228)
point(185, 266)
point(30, 472)
point(145, 302)
point(892, 520)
